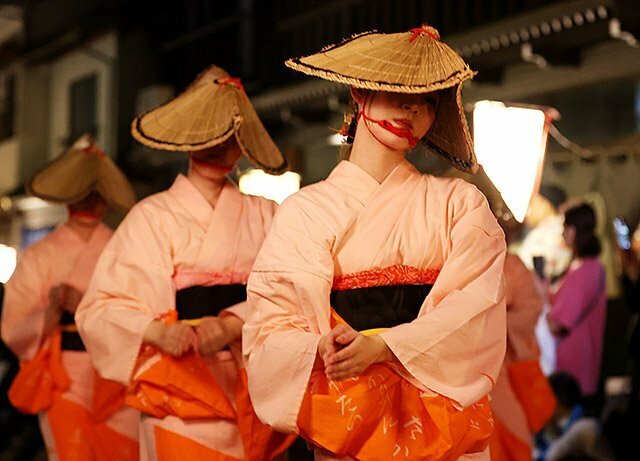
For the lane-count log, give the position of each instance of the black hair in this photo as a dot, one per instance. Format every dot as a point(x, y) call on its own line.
point(583, 219)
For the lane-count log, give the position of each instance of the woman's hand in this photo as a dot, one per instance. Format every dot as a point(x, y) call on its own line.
point(174, 339)
point(215, 333)
point(348, 353)
point(71, 298)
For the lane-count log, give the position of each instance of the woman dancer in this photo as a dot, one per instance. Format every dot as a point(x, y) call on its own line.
point(167, 300)
point(57, 379)
point(377, 300)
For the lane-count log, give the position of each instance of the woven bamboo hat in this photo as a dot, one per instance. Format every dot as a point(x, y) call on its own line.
point(77, 172)
point(207, 113)
point(408, 62)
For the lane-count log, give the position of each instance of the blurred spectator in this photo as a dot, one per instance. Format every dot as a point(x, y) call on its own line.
point(578, 307)
point(545, 235)
point(569, 434)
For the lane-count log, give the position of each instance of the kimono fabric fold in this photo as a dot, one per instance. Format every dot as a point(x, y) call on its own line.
point(80, 415)
point(176, 258)
point(418, 256)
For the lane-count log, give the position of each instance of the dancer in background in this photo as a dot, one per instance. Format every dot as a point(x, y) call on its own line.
point(522, 401)
point(165, 308)
point(79, 418)
point(377, 323)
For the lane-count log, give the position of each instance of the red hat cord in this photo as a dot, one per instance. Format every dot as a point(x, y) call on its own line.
point(385, 124)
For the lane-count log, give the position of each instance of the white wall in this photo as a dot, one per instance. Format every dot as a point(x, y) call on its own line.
point(91, 58)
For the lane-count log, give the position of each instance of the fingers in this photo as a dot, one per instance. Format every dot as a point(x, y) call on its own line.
point(347, 337)
point(178, 338)
point(211, 337)
point(344, 370)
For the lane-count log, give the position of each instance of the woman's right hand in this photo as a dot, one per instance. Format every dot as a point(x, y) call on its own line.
point(174, 339)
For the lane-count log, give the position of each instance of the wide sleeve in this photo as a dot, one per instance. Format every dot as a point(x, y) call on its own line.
point(456, 345)
point(288, 295)
point(130, 287)
point(524, 305)
point(26, 299)
point(577, 293)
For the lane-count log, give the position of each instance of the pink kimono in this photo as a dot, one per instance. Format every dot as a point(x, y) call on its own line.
point(169, 242)
point(351, 231)
point(524, 305)
point(67, 425)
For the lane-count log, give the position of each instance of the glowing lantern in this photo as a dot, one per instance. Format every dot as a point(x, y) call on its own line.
point(510, 143)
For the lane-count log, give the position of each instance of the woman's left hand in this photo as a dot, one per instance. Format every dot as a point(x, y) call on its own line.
point(358, 353)
point(215, 333)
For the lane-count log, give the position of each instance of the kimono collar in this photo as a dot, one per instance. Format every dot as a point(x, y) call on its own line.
point(191, 200)
point(361, 185)
point(65, 234)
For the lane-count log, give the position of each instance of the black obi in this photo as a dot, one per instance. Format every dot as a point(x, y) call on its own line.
point(379, 307)
point(197, 302)
point(70, 340)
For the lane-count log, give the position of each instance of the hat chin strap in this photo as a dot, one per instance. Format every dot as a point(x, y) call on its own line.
point(386, 125)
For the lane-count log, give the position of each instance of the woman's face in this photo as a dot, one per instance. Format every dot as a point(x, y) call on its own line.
point(89, 211)
point(216, 162)
point(569, 235)
point(402, 118)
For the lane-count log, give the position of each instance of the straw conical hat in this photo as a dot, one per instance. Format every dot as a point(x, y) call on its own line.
point(77, 172)
point(407, 62)
point(210, 110)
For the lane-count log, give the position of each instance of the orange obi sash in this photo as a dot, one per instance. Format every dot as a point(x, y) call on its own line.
point(379, 414)
point(533, 391)
point(41, 379)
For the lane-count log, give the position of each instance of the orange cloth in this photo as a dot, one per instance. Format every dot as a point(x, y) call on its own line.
point(261, 443)
point(78, 438)
point(380, 415)
point(108, 398)
point(41, 379)
point(504, 446)
point(534, 392)
point(179, 386)
point(171, 446)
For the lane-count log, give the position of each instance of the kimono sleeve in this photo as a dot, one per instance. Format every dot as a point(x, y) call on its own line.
point(26, 298)
point(287, 297)
point(456, 345)
point(131, 285)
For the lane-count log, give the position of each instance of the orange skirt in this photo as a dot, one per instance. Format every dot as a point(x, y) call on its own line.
point(380, 415)
point(533, 392)
point(185, 387)
point(41, 379)
point(76, 437)
point(505, 446)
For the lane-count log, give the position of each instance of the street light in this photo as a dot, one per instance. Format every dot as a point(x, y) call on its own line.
point(276, 188)
point(510, 142)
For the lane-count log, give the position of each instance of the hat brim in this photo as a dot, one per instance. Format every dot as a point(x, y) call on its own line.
point(75, 174)
point(404, 63)
point(206, 115)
